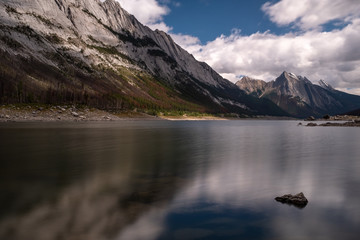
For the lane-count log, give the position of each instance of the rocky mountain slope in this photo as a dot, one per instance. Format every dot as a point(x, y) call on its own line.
point(95, 53)
point(252, 86)
point(298, 96)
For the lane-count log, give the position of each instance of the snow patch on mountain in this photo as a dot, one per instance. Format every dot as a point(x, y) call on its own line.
point(325, 85)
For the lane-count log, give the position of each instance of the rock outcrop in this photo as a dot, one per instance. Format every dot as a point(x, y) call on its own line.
point(252, 86)
point(297, 200)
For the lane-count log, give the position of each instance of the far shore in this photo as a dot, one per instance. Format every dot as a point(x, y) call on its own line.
point(333, 121)
point(335, 124)
point(64, 113)
point(69, 113)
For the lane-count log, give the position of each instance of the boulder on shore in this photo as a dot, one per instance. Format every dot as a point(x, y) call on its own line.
point(311, 118)
point(75, 114)
point(298, 200)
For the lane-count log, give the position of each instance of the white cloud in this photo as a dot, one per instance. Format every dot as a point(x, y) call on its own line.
point(190, 43)
point(333, 56)
point(160, 26)
point(310, 14)
point(151, 13)
point(146, 11)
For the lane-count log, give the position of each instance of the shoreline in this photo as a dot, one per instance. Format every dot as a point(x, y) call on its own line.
point(335, 121)
point(335, 124)
point(64, 113)
point(70, 113)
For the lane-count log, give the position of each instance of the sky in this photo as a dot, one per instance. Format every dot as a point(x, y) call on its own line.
point(319, 39)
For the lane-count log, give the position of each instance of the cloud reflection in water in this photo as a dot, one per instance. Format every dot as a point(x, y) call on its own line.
point(180, 180)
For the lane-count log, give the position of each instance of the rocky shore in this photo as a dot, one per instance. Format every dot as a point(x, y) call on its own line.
point(57, 113)
point(334, 121)
point(355, 123)
point(71, 113)
point(13, 113)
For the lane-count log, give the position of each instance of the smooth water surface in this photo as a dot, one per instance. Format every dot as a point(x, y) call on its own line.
point(177, 180)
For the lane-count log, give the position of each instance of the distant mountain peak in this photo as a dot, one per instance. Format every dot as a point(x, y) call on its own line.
point(249, 79)
point(299, 96)
point(325, 85)
point(292, 75)
point(251, 86)
point(288, 76)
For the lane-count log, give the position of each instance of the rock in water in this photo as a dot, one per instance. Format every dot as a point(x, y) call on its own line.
point(298, 200)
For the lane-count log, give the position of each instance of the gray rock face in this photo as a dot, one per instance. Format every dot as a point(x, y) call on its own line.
point(299, 96)
point(297, 200)
point(325, 85)
point(288, 84)
point(252, 86)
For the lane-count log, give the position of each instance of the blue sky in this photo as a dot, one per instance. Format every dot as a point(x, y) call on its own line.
point(318, 39)
point(208, 19)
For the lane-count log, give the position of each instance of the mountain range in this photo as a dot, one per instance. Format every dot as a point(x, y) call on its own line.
point(95, 53)
point(298, 96)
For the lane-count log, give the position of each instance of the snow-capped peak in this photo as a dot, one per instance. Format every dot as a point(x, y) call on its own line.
point(325, 85)
point(293, 75)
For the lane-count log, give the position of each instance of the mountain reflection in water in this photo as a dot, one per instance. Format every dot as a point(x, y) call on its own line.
point(177, 180)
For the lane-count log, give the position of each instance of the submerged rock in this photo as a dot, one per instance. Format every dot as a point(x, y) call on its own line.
point(298, 200)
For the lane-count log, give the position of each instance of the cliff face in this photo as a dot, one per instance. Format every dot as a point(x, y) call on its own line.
point(299, 96)
point(93, 52)
point(252, 86)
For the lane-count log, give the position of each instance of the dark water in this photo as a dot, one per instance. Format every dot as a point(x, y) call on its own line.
point(177, 180)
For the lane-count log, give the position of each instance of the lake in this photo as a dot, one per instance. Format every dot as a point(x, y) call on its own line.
point(178, 180)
